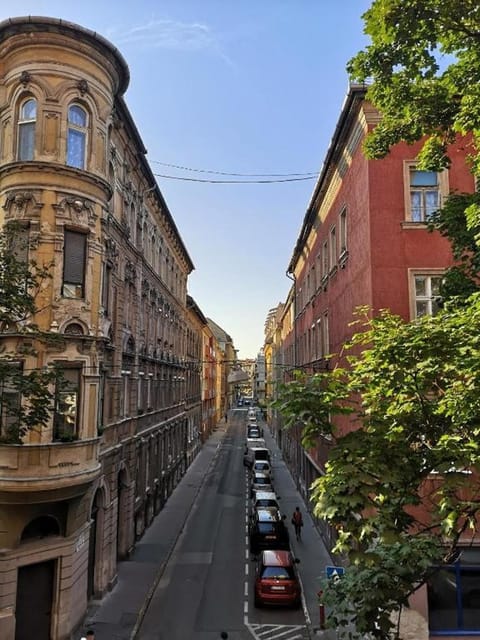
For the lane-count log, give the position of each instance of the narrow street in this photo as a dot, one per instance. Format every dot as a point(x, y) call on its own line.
point(203, 586)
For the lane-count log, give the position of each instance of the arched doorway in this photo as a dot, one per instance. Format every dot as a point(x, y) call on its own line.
point(35, 585)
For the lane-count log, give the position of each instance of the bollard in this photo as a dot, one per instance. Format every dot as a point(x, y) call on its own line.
point(321, 610)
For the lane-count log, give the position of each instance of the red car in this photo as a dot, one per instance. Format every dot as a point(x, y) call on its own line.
point(276, 579)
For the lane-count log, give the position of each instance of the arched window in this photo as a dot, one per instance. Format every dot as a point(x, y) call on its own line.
point(26, 129)
point(76, 136)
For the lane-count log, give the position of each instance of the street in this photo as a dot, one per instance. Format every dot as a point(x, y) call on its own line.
point(207, 585)
point(191, 574)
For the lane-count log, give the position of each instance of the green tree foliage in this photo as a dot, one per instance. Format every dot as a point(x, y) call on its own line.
point(423, 72)
point(412, 393)
point(26, 399)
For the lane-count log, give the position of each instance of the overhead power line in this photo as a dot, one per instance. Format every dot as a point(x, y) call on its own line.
point(306, 174)
point(265, 181)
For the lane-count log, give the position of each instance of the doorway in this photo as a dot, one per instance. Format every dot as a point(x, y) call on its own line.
point(34, 601)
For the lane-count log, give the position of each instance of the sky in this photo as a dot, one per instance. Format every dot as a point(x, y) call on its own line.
point(230, 90)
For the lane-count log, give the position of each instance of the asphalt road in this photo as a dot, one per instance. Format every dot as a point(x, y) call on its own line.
point(207, 585)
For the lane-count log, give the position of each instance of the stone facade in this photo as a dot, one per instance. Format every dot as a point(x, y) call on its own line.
point(77, 494)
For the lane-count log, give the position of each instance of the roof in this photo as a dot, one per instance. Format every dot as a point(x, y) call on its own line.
point(351, 105)
point(218, 332)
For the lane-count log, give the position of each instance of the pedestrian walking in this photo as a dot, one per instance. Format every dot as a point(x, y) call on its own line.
point(297, 521)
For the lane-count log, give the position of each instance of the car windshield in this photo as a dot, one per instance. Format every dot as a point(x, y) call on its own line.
point(262, 481)
point(265, 502)
point(277, 573)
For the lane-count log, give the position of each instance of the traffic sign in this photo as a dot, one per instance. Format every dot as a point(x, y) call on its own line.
point(334, 572)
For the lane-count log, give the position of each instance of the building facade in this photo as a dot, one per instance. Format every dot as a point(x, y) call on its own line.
point(76, 495)
point(364, 241)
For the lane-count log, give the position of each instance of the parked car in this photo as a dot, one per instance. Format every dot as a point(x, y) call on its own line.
point(262, 465)
point(267, 530)
point(260, 482)
point(276, 579)
point(265, 499)
point(251, 445)
point(254, 432)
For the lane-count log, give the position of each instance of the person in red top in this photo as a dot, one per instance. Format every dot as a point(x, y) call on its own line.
point(297, 521)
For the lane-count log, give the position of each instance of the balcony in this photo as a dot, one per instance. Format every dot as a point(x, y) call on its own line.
point(43, 472)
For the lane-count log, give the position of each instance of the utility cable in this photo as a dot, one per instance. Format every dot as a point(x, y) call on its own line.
point(241, 175)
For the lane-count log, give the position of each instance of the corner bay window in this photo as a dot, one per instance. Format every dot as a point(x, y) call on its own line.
point(74, 254)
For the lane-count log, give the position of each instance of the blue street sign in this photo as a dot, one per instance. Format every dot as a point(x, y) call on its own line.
point(334, 572)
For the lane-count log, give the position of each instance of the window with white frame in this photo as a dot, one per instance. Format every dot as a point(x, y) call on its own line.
point(76, 136)
point(423, 192)
point(26, 129)
point(426, 293)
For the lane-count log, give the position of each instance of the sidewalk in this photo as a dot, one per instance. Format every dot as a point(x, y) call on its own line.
point(118, 615)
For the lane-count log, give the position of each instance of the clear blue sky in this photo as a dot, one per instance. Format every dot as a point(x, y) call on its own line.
point(235, 86)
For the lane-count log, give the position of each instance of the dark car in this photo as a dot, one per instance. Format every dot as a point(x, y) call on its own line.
point(267, 530)
point(276, 579)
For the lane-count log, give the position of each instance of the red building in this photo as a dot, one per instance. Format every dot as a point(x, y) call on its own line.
point(364, 241)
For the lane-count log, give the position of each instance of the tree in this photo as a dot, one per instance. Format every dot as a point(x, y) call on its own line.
point(423, 72)
point(26, 398)
point(409, 389)
point(412, 390)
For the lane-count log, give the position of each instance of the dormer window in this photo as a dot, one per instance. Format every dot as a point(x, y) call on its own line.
point(76, 136)
point(26, 129)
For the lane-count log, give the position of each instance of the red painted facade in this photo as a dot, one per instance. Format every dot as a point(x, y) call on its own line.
point(364, 241)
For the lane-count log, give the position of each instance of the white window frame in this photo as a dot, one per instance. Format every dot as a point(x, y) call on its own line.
point(442, 184)
point(428, 273)
point(332, 254)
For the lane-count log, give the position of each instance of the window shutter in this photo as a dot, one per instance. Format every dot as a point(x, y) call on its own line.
point(74, 257)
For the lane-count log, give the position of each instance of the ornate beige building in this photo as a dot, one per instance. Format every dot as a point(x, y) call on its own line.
point(76, 495)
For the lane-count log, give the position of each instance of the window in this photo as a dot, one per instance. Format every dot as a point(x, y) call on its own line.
point(74, 252)
point(333, 248)
point(26, 129)
point(67, 404)
point(343, 231)
point(325, 260)
point(10, 399)
point(76, 136)
point(426, 294)
point(423, 191)
point(325, 336)
point(454, 595)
